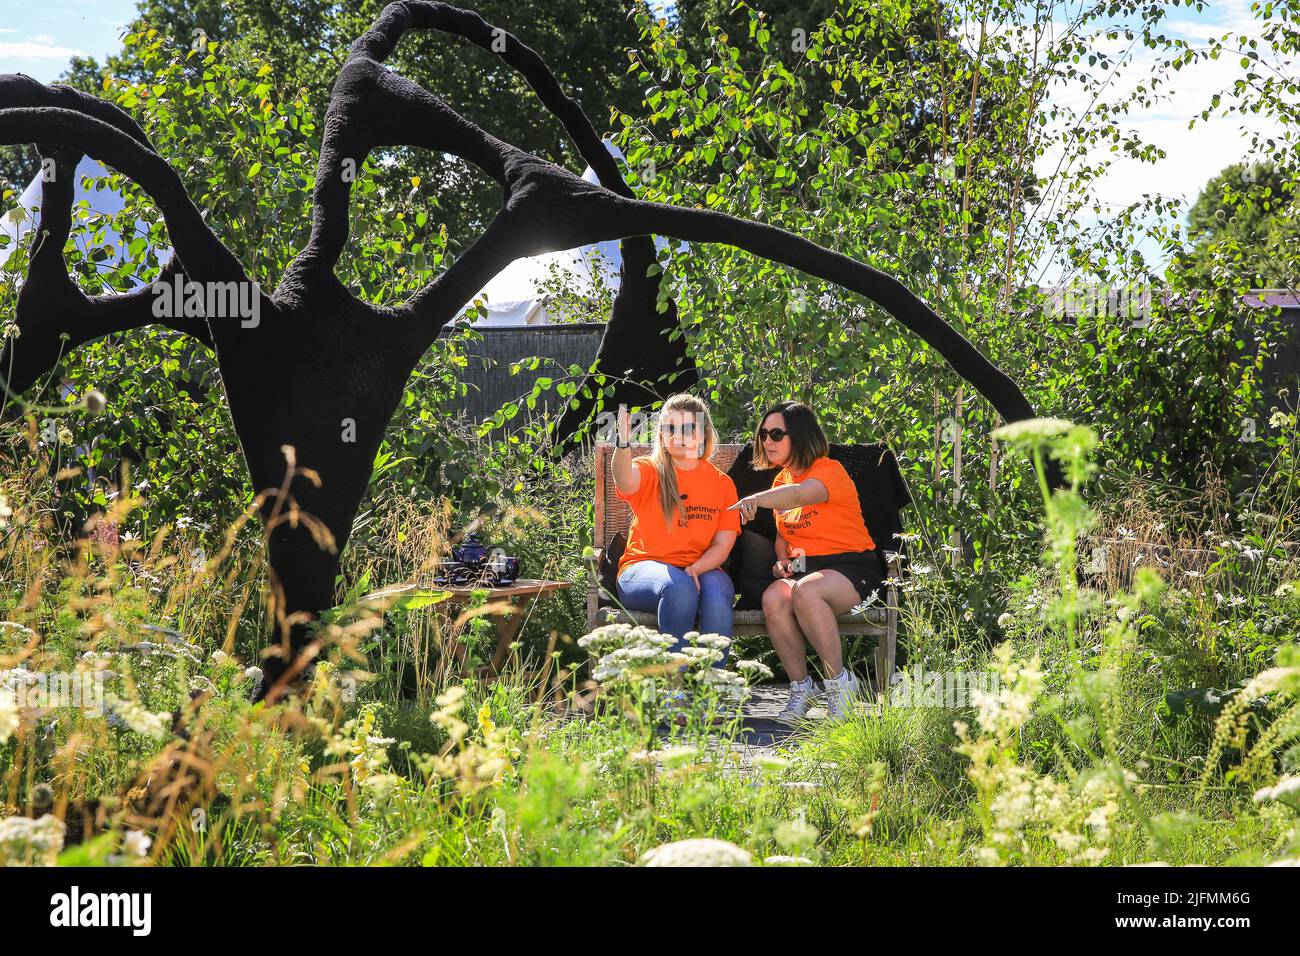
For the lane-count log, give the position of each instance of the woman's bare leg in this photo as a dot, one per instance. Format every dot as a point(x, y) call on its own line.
point(817, 599)
point(783, 628)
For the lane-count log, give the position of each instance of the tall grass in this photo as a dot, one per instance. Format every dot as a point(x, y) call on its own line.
point(1138, 719)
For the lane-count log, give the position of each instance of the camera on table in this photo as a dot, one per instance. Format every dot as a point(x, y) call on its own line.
point(472, 565)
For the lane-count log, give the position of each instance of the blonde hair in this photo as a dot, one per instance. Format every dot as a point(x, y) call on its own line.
point(670, 498)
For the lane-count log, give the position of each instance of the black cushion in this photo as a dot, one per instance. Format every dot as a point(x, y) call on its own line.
point(749, 481)
point(608, 569)
point(751, 563)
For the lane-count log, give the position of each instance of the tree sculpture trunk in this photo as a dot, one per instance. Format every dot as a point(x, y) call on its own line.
point(313, 383)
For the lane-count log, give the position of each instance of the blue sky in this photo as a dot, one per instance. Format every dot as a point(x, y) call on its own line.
point(38, 37)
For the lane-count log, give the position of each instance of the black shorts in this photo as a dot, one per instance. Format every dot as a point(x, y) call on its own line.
point(864, 569)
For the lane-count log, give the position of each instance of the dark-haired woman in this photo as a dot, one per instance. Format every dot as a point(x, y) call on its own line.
point(826, 561)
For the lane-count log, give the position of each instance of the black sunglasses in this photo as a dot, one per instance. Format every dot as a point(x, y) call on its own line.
point(688, 428)
point(776, 434)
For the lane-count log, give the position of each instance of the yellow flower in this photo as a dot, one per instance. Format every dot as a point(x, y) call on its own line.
point(485, 719)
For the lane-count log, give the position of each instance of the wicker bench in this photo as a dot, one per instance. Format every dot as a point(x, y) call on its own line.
point(613, 515)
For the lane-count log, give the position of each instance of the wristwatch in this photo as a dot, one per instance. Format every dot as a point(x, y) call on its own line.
point(619, 443)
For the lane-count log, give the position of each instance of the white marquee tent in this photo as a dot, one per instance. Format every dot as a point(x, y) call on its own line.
point(514, 297)
point(19, 221)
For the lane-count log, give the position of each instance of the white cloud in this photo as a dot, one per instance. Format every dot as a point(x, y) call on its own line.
point(37, 51)
point(1193, 155)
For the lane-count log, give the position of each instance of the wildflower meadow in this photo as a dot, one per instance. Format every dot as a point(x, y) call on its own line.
point(938, 224)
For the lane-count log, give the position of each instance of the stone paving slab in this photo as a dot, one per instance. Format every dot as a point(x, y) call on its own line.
point(758, 730)
point(760, 733)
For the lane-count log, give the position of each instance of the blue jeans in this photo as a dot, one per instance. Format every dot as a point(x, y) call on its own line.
point(671, 593)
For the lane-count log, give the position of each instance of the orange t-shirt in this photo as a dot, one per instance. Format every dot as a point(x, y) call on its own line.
point(833, 527)
point(706, 495)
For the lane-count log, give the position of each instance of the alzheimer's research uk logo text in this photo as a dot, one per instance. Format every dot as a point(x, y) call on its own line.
point(77, 909)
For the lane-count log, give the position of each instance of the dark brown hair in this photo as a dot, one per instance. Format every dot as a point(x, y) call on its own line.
point(807, 440)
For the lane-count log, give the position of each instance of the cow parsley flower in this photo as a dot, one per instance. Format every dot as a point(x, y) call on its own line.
point(138, 718)
point(754, 670)
point(1286, 786)
point(697, 852)
point(8, 714)
point(28, 842)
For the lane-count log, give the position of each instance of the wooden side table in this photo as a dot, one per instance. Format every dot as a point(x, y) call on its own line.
point(521, 596)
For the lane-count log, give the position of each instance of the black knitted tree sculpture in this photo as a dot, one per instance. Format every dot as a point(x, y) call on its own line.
point(318, 358)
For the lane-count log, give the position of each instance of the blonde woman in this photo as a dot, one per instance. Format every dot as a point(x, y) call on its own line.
point(682, 530)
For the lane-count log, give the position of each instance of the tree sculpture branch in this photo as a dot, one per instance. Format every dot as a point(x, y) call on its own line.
point(50, 305)
point(317, 376)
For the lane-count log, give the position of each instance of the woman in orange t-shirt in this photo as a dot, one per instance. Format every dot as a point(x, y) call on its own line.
point(682, 530)
point(826, 561)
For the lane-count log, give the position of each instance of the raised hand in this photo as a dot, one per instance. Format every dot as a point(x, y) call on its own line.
point(624, 425)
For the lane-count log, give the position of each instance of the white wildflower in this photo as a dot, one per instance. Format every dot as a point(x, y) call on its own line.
point(794, 835)
point(136, 844)
point(1284, 787)
point(672, 757)
point(138, 718)
point(754, 670)
point(716, 641)
point(801, 786)
point(8, 714)
point(1028, 429)
point(1006, 710)
point(382, 785)
point(28, 842)
point(698, 852)
point(720, 679)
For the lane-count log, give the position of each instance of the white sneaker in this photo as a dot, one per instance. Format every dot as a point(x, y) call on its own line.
point(842, 694)
point(802, 695)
